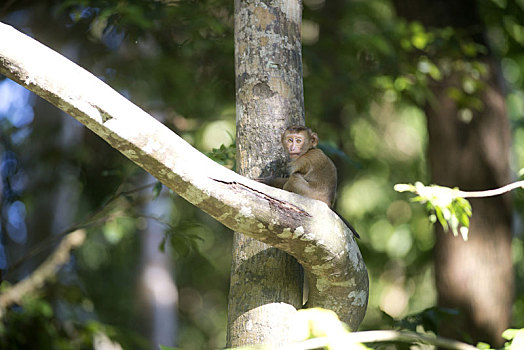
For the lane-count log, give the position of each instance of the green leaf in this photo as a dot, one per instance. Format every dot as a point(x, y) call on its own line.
point(483, 346)
point(224, 155)
point(443, 204)
point(510, 333)
point(157, 189)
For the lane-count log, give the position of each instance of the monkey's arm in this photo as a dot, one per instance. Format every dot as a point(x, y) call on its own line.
point(277, 182)
point(299, 166)
point(313, 160)
point(297, 183)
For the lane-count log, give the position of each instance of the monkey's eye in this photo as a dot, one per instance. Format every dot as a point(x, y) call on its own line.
point(299, 140)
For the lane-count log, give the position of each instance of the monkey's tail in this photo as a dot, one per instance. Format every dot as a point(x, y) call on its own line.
point(348, 224)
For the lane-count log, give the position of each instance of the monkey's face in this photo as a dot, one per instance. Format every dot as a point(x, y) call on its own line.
point(296, 144)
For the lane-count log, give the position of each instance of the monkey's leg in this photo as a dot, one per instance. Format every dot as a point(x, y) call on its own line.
point(298, 184)
point(277, 182)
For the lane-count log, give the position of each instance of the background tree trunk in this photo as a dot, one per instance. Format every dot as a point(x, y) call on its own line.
point(266, 283)
point(475, 277)
point(158, 291)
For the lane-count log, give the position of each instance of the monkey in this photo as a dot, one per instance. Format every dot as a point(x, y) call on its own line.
point(311, 173)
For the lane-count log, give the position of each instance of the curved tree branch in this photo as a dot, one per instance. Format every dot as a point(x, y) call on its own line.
point(305, 228)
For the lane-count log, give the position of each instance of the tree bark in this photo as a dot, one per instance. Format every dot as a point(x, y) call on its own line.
point(476, 277)
point(266, 283)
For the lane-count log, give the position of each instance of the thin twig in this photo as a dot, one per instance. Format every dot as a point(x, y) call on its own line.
point(47, 269)
point(490, 193)
point(91, 220)
point(382, 336)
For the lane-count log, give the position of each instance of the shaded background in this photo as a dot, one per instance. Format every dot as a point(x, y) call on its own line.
point(154, 269)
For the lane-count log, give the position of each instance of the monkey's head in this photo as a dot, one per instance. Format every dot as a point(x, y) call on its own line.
point(297, 140)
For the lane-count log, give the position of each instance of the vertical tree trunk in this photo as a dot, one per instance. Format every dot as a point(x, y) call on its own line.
point(475, 277)
point(158, 291)
point(266, 283)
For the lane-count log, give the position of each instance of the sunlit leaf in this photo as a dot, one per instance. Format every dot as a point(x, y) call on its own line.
point(517, 337)
point(443, 204)
point(483, 346)
point(464, 232)
point(511, 333)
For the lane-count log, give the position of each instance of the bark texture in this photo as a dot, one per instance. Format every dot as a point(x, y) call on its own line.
point(476, 277)
point(266, 283)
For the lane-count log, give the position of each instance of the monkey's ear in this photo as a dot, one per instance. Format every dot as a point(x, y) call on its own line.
point(314, 139)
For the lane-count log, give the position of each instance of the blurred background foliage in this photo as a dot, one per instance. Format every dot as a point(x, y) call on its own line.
point(366, 74)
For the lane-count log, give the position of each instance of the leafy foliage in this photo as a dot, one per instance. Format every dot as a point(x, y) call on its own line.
point(515, 339)
point(428, 320)
point(181, 240)
point(225, 155)
point(445, 205)
point(36, 325)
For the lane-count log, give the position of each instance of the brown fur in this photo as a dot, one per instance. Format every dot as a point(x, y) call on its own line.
point(311, 173)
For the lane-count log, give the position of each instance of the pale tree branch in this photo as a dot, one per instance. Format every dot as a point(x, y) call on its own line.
point(304, 228)
point(15, 293)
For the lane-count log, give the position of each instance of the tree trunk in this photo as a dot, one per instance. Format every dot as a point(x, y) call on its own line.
point(475, 277)
point(266, 283)
point(158, 291)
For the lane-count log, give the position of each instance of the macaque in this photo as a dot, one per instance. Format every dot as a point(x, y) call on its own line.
point(311, 172)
